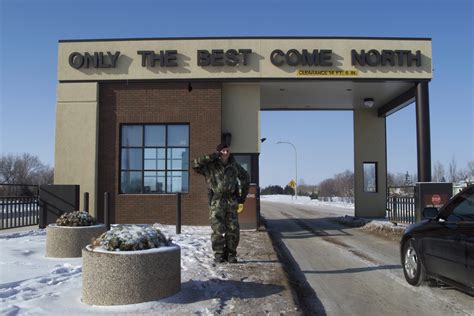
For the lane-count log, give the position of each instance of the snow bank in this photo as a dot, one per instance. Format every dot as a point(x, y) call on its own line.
point(381, 227)
point(305, 200)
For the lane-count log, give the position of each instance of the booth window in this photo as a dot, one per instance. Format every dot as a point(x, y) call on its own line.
point(244, 161)
point(370, 177)
point(154, 158)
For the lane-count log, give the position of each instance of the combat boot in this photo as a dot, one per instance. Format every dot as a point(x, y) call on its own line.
point(231, 258)
point(219, 258)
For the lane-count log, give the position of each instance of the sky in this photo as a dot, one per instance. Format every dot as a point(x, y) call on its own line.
point(30, 30)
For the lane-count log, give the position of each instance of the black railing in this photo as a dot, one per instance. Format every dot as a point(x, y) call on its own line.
point(19, 205)
point(18, 211)
point(401, 209)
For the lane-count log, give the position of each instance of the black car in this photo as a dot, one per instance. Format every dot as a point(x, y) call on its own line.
point(441, 246)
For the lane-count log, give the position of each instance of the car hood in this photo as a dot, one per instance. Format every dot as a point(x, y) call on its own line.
point(417, 226)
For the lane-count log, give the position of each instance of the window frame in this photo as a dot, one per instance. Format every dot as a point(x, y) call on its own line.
point(143, 147)
point(376, 185)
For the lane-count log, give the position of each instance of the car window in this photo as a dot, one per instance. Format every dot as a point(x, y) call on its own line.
point(463, 209)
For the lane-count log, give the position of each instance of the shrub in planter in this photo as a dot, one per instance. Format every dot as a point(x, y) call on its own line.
point(132, 237)
point(72, 232)
point(130, 264)
point(76, 218)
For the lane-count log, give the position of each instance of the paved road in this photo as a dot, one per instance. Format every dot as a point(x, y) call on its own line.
point(344, 271)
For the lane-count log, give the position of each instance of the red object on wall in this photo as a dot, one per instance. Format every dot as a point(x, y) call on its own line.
point(436, 199)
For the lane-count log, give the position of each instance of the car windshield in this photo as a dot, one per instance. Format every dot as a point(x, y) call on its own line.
point(462, 207)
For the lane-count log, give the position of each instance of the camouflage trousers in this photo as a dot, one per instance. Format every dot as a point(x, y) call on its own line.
point(225, 226)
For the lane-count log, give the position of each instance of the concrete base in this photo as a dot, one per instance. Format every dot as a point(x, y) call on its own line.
point(130, 277)
point(68, 241)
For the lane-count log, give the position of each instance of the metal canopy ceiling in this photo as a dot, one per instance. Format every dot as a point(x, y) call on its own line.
point(328, 95)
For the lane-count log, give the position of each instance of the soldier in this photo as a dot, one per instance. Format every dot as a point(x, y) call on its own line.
point(228, 185)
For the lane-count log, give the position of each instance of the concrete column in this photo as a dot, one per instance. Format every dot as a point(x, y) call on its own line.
point(241, 116)
point(76, 151)
point(423, 132)
point(369, 146)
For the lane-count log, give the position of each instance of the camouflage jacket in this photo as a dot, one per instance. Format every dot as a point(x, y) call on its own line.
point(229, 180)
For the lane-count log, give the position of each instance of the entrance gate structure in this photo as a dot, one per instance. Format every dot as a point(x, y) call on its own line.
point(191, 91)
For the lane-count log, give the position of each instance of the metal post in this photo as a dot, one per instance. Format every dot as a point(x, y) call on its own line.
point(178, 213)
point(106, 210)
point(296, 167)
point(86, 202)
point(423, 132)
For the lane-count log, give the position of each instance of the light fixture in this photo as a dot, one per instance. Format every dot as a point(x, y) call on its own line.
point(190, 87)
point(369, 102)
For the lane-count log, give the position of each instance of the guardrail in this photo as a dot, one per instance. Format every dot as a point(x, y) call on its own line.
point(401, 209)
point(18, 211)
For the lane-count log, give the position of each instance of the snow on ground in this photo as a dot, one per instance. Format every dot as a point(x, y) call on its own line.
point(305, 200)
point(35, 285)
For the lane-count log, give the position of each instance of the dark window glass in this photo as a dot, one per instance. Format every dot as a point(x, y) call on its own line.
point(464, 207)
point(157, 164)
point(244, 161)
point(132, 136)
point(155, 135)
point(131, 181)
point(178, 135)
point(154, 182)
point(132, 159)
point(370, 177)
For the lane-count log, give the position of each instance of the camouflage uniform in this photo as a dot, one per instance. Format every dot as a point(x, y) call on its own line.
point(228, 185)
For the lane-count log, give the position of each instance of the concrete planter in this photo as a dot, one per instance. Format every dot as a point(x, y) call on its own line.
point(68, 241)
point(130, 277)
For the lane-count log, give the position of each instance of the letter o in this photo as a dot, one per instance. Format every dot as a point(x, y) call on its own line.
point(290, 57)
point(76, 60)
point(373, 57)
point(274, 55)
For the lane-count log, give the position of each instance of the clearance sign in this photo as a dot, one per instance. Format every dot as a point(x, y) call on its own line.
point(332, 73)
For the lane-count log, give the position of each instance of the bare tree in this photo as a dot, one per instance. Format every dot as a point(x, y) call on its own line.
point(470, 168)
point(438, 172)
point(24, 169)
point(327, 188)
point(453, 172)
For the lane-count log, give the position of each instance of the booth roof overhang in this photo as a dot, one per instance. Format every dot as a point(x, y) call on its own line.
point(294, 73)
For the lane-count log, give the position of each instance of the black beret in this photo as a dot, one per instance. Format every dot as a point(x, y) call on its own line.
point(221, 146)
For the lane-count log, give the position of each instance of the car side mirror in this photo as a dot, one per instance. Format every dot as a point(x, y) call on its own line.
point(430, 212)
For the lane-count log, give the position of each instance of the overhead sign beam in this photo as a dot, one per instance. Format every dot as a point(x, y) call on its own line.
point(397, 103)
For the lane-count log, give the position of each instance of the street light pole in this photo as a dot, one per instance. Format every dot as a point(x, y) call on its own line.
point(296, 167)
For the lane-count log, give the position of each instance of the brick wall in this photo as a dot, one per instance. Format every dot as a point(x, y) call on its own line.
point(156, 103)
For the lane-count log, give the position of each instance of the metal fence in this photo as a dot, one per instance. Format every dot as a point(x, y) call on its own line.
point(401, 204)
point(401, 209)
point(19, 205)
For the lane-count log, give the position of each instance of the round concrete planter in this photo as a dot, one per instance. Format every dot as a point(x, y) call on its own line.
point(68, 241)
point(130, 277)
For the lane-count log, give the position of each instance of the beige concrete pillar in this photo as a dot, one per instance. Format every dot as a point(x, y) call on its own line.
point(369, 146)
point(241, 116)
point(76, 150)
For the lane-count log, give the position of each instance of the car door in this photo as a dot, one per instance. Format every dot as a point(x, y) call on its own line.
point(465, 210)
point(446, 246)
point(456, 242)
point(444, 250)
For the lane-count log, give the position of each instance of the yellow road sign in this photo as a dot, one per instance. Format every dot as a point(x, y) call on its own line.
point(292, 184)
